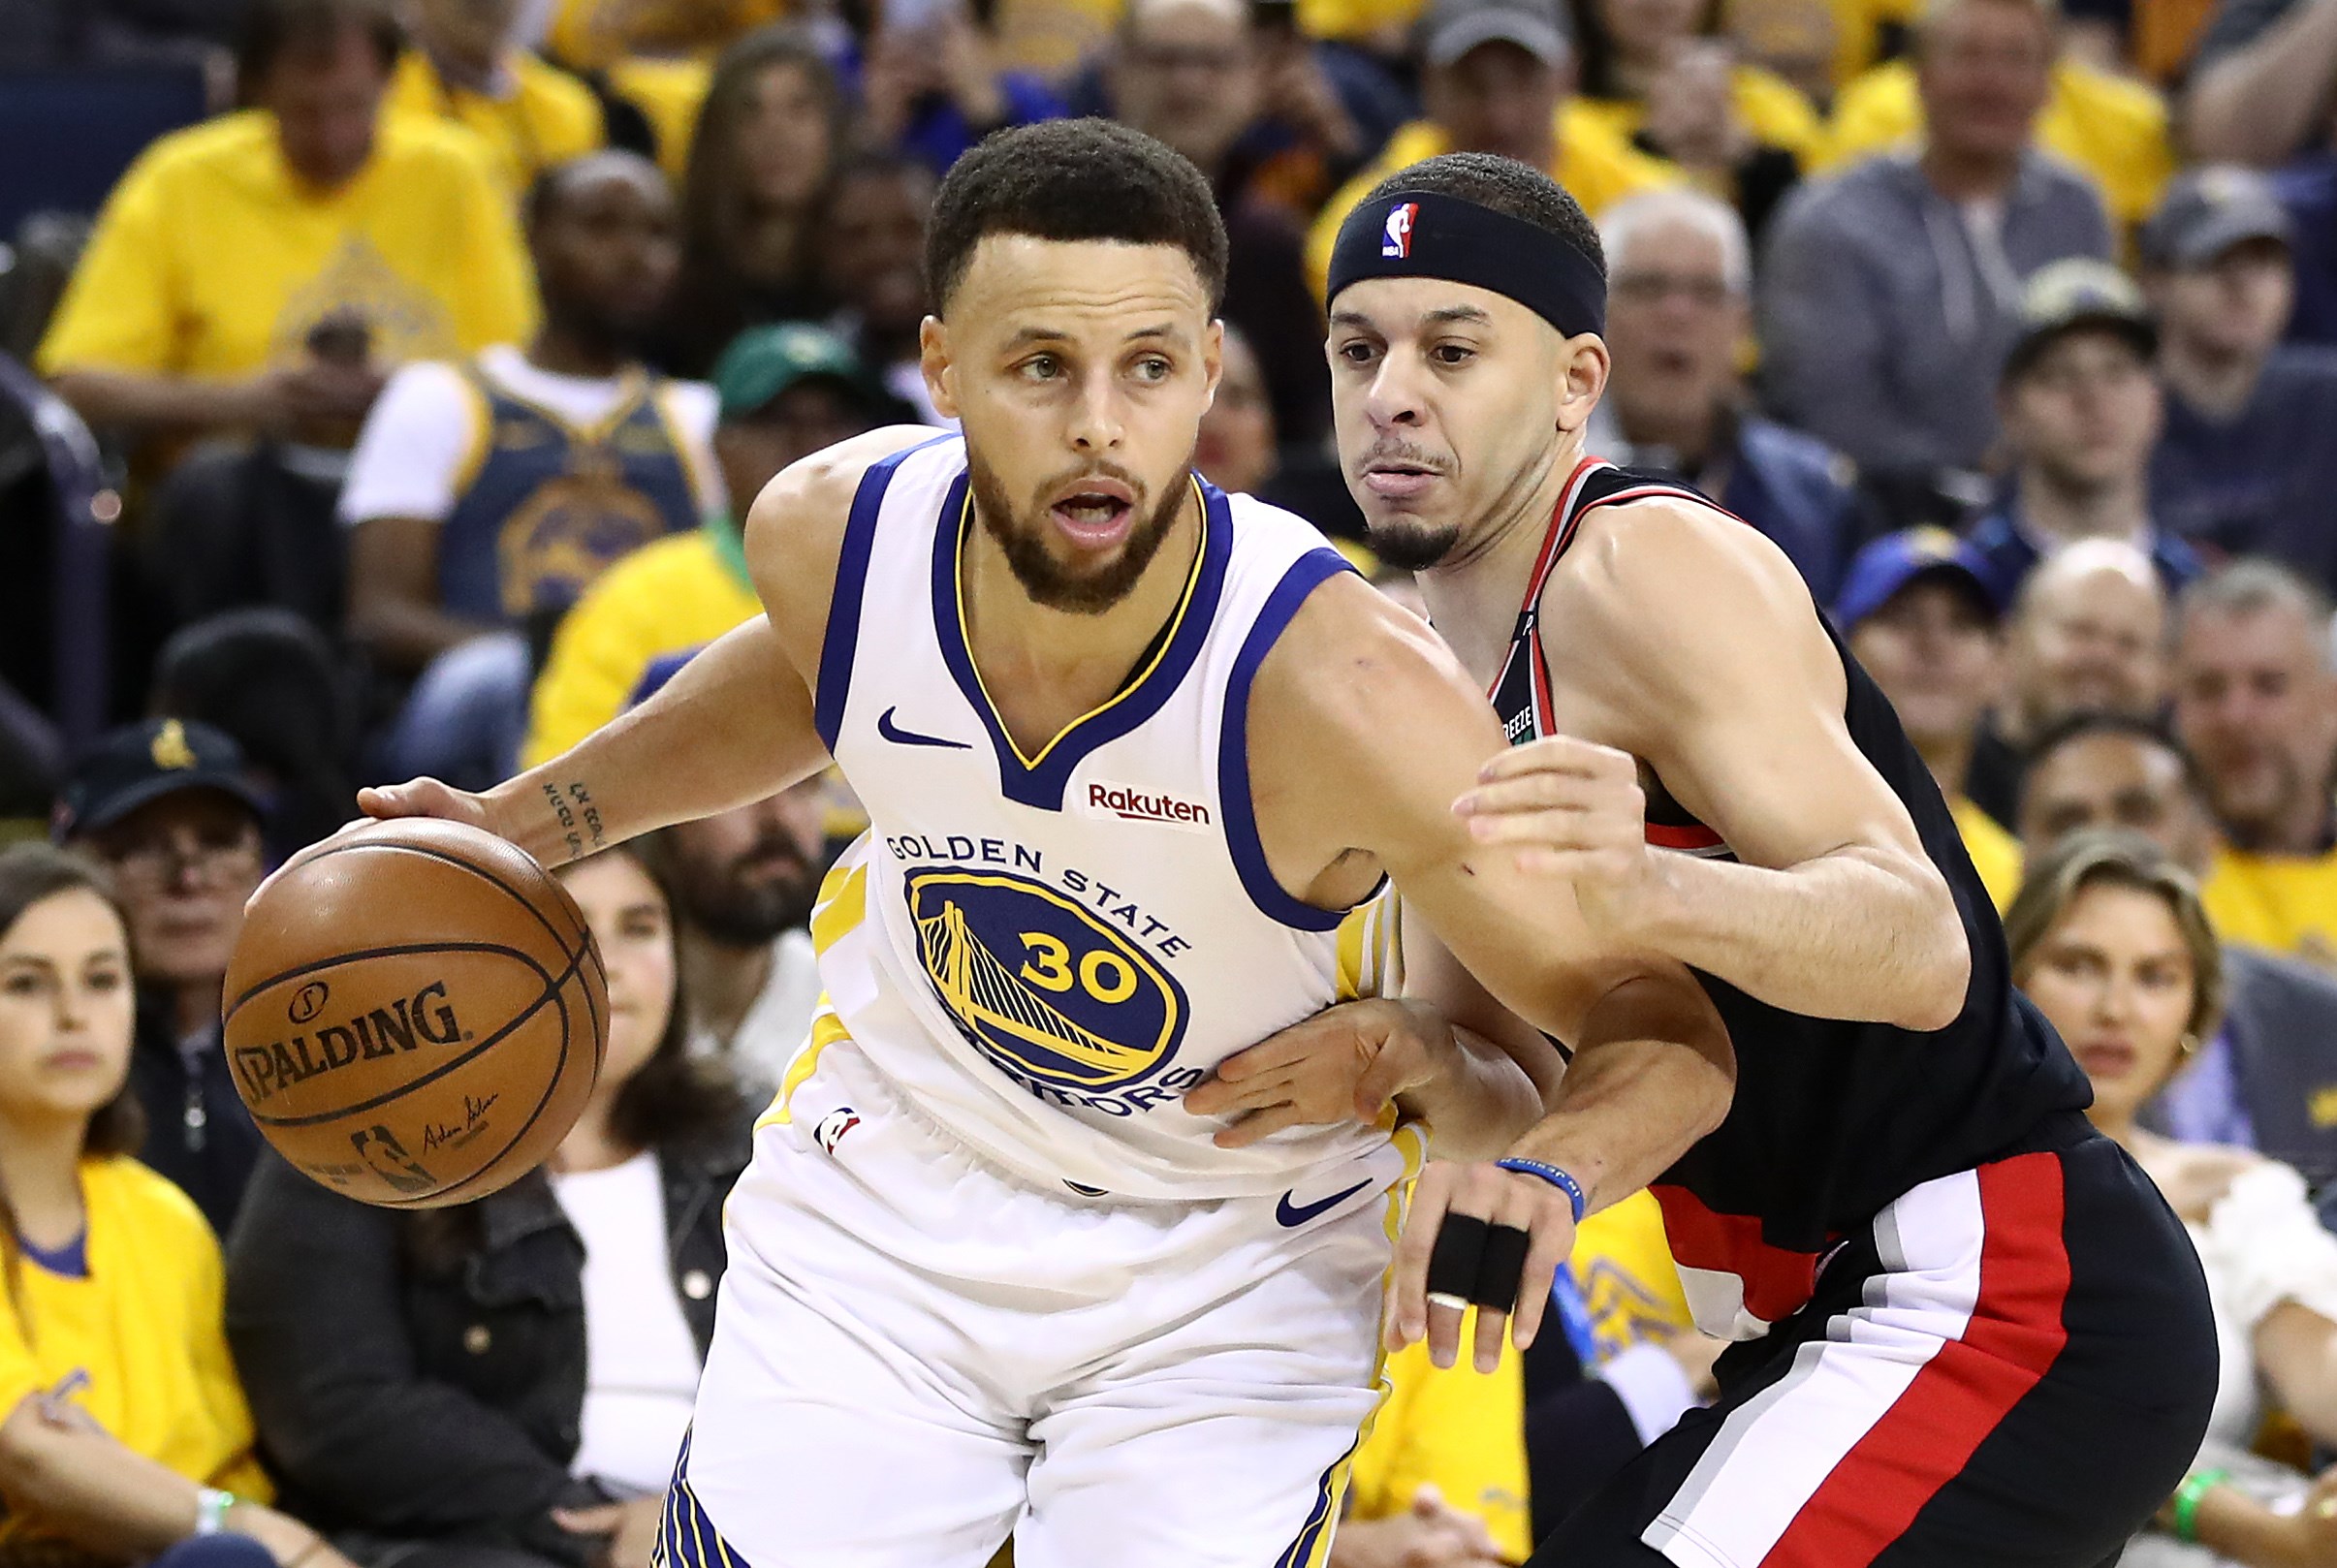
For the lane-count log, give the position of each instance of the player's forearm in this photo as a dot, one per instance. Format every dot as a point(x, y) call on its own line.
point(733, 727)
point(1479, 1102)
point(1855, 935)
point(1653, 1073)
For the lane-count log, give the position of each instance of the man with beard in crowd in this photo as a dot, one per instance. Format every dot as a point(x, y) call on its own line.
point(743, 882)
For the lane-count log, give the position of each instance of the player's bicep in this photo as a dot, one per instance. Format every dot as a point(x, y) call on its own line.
point(1700, 639)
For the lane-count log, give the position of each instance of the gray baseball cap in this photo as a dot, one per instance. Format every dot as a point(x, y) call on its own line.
point(2208, 210)
point(1451, 28)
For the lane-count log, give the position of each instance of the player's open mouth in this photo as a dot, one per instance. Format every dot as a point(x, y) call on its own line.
point(1397, 482)
point(1096, 515)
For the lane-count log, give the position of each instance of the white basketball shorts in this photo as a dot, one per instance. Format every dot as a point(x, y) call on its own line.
point(916, 1355)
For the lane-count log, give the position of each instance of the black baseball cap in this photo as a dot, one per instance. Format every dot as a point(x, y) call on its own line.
point(2077, 293)
point(2209, 210)
point(142, 763)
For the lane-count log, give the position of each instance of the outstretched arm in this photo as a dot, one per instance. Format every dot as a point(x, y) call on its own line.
point(734, 726)
point(1688, 640)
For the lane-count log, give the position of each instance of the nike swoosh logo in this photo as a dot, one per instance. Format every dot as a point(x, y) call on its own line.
point(910, 737)
point(1291, 1216)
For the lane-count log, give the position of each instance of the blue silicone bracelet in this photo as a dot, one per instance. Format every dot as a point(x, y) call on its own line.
point(1555, 1177)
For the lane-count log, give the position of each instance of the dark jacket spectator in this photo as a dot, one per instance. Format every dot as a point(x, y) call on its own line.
point(238, 524)
point(1891, 293)
point(168, 807)
point(1679, 274)
point(2247, 460)
point(443, 1382)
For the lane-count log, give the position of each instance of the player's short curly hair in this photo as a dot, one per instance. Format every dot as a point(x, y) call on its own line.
point(1069, 180)
point(1502, 185)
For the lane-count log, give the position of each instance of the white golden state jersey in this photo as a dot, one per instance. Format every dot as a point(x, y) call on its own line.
point(1040, 955)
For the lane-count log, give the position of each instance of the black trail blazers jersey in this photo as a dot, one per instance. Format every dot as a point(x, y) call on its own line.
point(1832, 1120)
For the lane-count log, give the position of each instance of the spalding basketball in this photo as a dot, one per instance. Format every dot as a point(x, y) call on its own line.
point(415, 1013)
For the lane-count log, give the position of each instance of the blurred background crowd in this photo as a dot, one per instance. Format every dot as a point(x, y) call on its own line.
point(381, 382)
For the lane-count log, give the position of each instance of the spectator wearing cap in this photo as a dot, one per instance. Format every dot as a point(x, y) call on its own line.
point(2255, 702)
point(785, 392)
point(2248, 461)
point(1917, 613)
point(486, 494)
point(2267, 1079)
point(1494, 79)
point(1662, 74)
point(2088, 634)
point(268, 269)
point(1679, 281)
point(1891, 291)
point(166, 807)
point(2081, 411)
point(465, 69)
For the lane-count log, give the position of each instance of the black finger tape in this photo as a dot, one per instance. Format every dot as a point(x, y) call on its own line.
point(1499, 1268)
point(1458, 1256)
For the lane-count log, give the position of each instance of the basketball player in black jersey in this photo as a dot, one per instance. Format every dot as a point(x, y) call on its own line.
point(1968, 1332)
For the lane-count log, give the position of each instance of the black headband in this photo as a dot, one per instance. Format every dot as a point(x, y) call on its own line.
point(1420, 235)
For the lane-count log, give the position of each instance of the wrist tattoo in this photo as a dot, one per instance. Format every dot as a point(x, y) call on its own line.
point(572, 832)
point(591, 814)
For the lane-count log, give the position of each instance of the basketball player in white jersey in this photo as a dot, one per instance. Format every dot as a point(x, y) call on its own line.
point(1967, 1330)
point(1136, 755)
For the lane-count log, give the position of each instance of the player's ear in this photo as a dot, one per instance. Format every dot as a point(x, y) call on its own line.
point(933, 360)
point(1582, 369)
point(1212, 358)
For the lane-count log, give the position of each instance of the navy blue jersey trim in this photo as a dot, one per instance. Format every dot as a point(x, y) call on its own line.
point(1306, 573)
point(1042, 783)
point(842, 638)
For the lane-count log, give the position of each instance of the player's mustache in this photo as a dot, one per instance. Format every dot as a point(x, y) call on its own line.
point(1387, 451)
point(1067, 484)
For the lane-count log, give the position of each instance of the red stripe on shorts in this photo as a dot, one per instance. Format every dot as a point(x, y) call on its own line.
point(1972, 1383)
point(1778, 1281)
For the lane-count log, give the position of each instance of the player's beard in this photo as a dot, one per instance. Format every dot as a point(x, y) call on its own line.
point(1411, 545)
point(1042, 577)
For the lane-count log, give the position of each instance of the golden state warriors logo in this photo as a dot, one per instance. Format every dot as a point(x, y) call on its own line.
point(1052, 994)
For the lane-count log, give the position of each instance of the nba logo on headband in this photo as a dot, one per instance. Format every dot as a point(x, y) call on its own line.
point(1397, 241)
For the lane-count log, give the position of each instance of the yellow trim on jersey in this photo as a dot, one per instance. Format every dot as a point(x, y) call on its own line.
point(1185, 602)
point(1330, 1499)
point(1371, 957)
point(842, 904)
point(826, 1030)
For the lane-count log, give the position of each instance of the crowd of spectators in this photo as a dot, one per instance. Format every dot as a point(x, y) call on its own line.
point(420, 389)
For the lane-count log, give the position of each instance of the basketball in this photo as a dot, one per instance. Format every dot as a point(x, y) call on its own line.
point(415, 1013)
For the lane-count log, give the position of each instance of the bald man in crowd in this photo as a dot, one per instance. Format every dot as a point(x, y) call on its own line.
point(2088, 631)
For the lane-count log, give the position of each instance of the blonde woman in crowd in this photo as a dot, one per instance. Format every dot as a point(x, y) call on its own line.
point(2109, 940)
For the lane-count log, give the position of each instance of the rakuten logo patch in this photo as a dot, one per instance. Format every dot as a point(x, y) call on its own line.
point(1126, 803)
